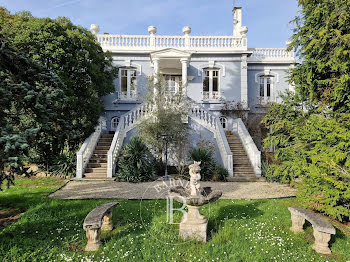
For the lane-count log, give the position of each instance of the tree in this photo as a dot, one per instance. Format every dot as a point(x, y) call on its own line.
point(311, 128)
point(322, 39)
point(73, 65)
point(30, 104)
point(167, 117)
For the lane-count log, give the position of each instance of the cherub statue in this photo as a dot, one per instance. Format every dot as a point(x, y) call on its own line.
point(195, 177)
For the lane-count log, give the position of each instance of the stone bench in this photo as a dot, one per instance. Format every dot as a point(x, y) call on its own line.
point(322, 229)
point(98, 219)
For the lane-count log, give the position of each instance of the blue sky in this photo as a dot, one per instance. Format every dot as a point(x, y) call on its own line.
point(267, 20)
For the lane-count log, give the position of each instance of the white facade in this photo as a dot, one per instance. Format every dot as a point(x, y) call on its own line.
point(211, 70)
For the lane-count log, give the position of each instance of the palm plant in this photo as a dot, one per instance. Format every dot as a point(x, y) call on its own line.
point(136, 163)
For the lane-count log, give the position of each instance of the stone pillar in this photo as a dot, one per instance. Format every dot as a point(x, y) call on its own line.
point(244, 81)
point(297, 223)
point(321, 242)
point(184, 62)
point(194, 225)
point(93, 236)
point(152, 30)
point(107, 224)
point(187, 30)
point(155, 69)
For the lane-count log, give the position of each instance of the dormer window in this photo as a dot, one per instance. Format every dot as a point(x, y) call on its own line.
point(128, 85)
point(211, 84)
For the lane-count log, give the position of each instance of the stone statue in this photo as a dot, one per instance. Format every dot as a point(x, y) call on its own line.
point(193, 224)
point(195, 177)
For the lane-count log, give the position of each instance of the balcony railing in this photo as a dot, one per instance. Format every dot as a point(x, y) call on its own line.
point(265, 100)
point(124, 95)
point(213, 96)
point(271, 54)
point(153, 42)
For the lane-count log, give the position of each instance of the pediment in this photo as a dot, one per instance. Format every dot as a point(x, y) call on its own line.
point(170, 53)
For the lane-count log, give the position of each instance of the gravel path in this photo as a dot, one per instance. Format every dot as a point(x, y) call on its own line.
point(159, 189)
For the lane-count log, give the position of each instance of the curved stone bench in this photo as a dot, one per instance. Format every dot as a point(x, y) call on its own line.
point(322, 228)
point(98, 219)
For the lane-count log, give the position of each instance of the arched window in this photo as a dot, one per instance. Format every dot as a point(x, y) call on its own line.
point(223, 121)
point(114, 123)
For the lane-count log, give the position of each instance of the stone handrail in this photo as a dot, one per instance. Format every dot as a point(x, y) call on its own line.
point(252, 151)
point(271, 53)
point(127, 122)
point(212, 123)
point(88, 147)
point(154, 42)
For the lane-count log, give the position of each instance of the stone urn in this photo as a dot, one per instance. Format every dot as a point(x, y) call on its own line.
point(193, 224)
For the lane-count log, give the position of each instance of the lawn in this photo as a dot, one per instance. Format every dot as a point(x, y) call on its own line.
point(240, 230)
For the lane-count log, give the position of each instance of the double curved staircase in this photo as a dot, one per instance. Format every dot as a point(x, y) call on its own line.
point(97, 157)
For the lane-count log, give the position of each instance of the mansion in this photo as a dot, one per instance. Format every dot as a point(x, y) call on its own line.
point(229, 87)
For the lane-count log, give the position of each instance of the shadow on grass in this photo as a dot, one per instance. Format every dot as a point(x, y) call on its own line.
point(233, 211)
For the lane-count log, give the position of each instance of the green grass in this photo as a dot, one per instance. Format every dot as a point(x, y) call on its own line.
point(240, 230)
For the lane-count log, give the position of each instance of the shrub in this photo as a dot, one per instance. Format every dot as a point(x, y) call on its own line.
point(210, 170)
point(64, 165)
point(136, 162)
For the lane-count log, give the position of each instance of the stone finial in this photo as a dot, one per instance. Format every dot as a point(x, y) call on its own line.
point(94, 29)
point(243, 30)
point(152, 29)
point(186, 30)
point(288, 43)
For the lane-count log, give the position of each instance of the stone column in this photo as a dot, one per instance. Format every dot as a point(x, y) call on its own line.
point(321, 242)
point(297, 223)
point(93, 236)
point(184, 62)
point(107, 224)
point(244, 81)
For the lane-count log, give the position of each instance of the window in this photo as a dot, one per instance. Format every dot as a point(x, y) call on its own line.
point(114, 123)
point(223, 121)
point(211, 85)
point(173, 83)
point(128, 85)
point(265, 89)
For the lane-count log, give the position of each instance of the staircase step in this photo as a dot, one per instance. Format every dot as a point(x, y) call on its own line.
point(96, 165)
point(245, 179)
point(98, 151)
point(99, 147)
point(96, 170)
point(98, 160)
point(100, 143)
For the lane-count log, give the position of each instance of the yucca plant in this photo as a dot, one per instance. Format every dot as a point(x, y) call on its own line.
point(136, 162)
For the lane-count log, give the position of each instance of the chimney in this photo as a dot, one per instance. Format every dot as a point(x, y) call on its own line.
point(237, 20)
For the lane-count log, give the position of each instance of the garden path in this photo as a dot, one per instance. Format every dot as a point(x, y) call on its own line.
point(159, 189)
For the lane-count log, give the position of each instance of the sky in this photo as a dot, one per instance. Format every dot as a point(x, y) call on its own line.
point(268, 21)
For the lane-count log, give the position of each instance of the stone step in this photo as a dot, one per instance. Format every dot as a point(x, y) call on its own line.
point(99, 147)
point(96, 170)
point(96, 165)
point(97, 176)
point(244, 174)
point(98, 160)
point(245, 179)
point(99, 155)
point(100, 143)
point(100, 152)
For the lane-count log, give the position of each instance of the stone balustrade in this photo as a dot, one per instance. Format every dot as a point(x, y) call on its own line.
point(271, 54)
point(88, 147)
point(250, 148)
point(186, 42)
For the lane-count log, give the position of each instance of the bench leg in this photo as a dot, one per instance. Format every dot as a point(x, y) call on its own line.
point(107, 224)
point(297, 223)
point(321, 242)
point(93, 236)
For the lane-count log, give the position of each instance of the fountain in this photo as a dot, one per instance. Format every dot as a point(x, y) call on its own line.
point(194, 225)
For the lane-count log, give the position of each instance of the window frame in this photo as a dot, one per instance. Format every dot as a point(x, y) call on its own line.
point(131, 83)
point(223, 121)
point(113, 126)
point(209, 73)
